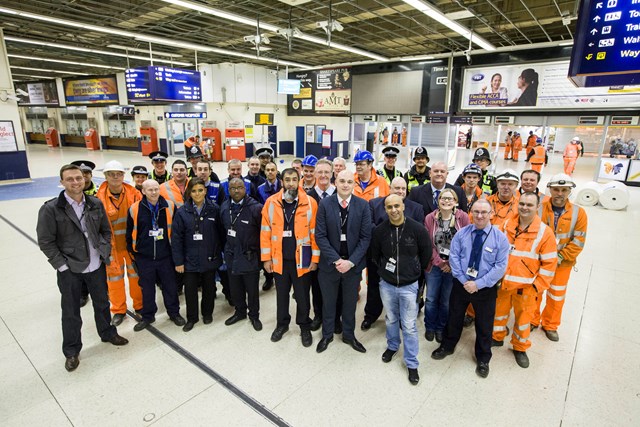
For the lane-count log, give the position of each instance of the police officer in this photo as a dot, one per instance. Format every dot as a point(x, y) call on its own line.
point(487, 182)
point(87, 167)
point(388, 171)
point(419, 174)
point(139, 174)
point(159, 171)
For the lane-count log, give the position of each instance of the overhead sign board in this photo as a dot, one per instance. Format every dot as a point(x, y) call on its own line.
point(264, 119)
point(186, 115)
point(163, 84)
point(607, 45)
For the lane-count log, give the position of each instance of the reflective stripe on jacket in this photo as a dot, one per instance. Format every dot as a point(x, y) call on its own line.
point(117, 214)
point(571, 231)
point(377, 187)
point(170, 191)
point(539, 155)
point(133, 214)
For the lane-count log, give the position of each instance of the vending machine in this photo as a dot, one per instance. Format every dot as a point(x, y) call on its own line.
point(52, 137)
point(91, 139)
point(148, 140)
point(211, 143)
point(234, 143)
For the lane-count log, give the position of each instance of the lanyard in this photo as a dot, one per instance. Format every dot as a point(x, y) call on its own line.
point(155, 211)
point(394, 249)
point(287, 221)
point(519, 232)
point(197, 217)
point(232, 219)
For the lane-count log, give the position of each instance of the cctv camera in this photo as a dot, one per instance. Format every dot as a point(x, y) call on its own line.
point(337, 26)
point(21, 92)
point(250, 39)
point(322, 24)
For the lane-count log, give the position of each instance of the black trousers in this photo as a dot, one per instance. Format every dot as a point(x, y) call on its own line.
point(244, 293)
point(193, 280)
point(484, 304)
point(373, 308)
point(316, 294)
point(268, 277)
point(333, 283)
point(157, 271)
point(284, 281)
point(70, 285)
point(224, 281)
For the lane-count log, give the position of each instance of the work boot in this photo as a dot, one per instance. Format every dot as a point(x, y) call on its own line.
point(521, 358)
point(552, 335)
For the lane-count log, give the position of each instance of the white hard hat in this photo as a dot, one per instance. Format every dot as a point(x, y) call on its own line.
point(508, 175)
point(113, 165)
point(561, 180)
point(575, 138)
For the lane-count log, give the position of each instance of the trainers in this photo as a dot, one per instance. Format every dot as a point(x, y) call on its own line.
point(388, 355)
point(521, 358)
point(468, 321)
point(414, 378)
point(552, 335)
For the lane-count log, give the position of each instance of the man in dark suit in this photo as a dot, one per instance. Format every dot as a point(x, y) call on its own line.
point(343, 233)
point(413, 210)
point(427, 195)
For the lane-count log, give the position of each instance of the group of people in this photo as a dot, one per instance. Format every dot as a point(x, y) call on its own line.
point(537, 153)
point(315, 227)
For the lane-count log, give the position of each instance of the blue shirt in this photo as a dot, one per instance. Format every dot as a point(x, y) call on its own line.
point(94, 256)
point(495, 255)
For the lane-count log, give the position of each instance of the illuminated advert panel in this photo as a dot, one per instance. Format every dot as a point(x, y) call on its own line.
point(44, 93)
point(91, 91)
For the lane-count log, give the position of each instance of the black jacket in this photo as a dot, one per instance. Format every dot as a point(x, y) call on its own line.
point(412, 210)
point(147, 246)
point(60, 235)
point(198, 255)
point(242, 252)
point(412, 256)
point(423, 194)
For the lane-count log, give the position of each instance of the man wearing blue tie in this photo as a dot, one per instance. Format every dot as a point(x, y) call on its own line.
point(478, 258)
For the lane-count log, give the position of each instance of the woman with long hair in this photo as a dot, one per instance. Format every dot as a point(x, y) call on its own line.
point(528, 84)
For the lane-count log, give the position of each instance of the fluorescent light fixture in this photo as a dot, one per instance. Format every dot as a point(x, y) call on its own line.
point(89, 50)
point(414, 58)
point(269, 27)
point(436, 15)
point(60, 61)
point(48, 71)
point(567, 43)
point(35, 77)
point(135, 49)
point(152, 39)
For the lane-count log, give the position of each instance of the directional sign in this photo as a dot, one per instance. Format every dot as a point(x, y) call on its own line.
point(163, 84)
point(607, 44)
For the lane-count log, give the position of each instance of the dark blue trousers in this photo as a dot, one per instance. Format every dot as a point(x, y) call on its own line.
point(160, 271)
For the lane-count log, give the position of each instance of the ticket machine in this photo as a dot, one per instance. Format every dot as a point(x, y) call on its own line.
point(234, 144)
point(148, 140)
point(212, 144)
point(52, 137)
point(91, 139)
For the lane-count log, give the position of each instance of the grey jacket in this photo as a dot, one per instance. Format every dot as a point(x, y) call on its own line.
point(60, 235)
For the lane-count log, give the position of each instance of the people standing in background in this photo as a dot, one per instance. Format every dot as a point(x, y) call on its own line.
point(87, 167)
point(507, 145)
point(265, 154)
point(339, 164)
point(469, 136)
point(254, 175)
point(297, 165)
point(531, 141)
point(516, 146)
point(537, 156)
point(159, 163)
point(570, 156)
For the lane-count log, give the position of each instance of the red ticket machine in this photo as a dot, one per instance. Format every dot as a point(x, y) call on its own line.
point(91, 139)
point(234, 144)
point(148, 140)
point(52, 137)
point(211, 144)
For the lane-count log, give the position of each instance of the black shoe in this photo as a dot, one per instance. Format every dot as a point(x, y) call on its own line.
point(414, 378)
point(496, 343)
point(366, 324)
point(337, 329)
point(256, 323)
point(323, 344)
point(440, 353)
point(278, 333)
point(117, 319)
point(468, 321)
point(268, 284)
point(178, 320)
point(306, 337)
point(83, 301)
point(207, 320)
point(533, 327)
point(482, 369)
point(234, 319)
point(429, 335)
point(316, 323)
point(117, 340)
point(521, 358)
point(551, 335)
point(188, 326)
point(143, 324)
point(71, 363)
point(388, 355)
point(355, 344)
point(438, 337)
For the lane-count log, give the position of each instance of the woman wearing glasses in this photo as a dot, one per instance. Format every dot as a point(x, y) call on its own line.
point(442, 224)
point(197, 244)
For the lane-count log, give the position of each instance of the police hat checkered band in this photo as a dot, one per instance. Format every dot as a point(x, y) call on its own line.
point(390, 151)
point(158, 155)
point(508, 176)
point(139, 170)
point(84, 165)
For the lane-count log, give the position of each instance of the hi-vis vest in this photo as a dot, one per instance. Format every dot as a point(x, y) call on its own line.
point(118, 214)
point(538, 155)
point(133, 211)
point(170, 191)
point(570, 151)
point(384, 173)
point(377, 187)
point(532, 259)
point(571, 231)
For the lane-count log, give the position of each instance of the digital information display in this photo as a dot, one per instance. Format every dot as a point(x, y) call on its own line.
point(163, 84)
point(289, 86)
point(264, 119)
point(607, 43)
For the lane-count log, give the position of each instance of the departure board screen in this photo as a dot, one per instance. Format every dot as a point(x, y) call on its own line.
point(163, 84)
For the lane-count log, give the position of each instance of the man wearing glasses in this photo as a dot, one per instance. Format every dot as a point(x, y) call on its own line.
point(478, 258)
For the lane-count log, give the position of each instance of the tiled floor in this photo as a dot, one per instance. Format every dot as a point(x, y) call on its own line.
point(590, 377)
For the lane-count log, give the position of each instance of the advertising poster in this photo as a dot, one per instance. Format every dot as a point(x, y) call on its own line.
point(538, 86)
point(42, 93)
point(91, 91)
point(321, 92)
point(614, 169)
point(8, 142)
point(634, 171)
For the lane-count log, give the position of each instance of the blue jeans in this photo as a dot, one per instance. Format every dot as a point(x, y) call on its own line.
point(401, 306)
point(436, 309)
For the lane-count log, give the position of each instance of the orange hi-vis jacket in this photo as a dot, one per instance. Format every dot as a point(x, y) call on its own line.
point(538, 157)
point(502, 211)
point(570, 151)
point(517, 142)
point(531, 141)
point(533, 259)
point(170, 191)
point(304, 229)
point(133, 212)
point(377, 187)
point(117, 214)
point(571, 231)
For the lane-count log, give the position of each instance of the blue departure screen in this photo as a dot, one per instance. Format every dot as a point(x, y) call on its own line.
point(607, 39)
point(137, 80)
point(173, 84)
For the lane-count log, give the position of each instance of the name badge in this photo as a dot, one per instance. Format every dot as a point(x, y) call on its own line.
point(231, 233)
point(488, 249)
point(287, 233)
point(157, 234)
point(197, 236)
point(512, 248)
point(472, 272)
point(444, 251)
point(391, 267)
point(343, 237)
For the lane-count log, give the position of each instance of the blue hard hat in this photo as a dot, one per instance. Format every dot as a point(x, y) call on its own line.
point(362, 156)
point(310, 160)
point(538, 140)
point(472, 168)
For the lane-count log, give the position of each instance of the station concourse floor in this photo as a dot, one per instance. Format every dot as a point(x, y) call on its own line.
point(233, 375)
